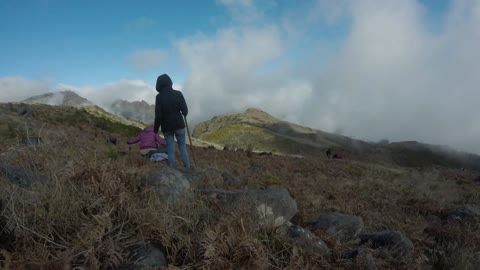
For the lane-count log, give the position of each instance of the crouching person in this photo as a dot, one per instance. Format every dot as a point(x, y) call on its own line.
point(149, 142)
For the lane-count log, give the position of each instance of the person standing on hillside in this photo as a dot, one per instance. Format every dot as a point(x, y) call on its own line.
point(329, 153)
point(170, 108)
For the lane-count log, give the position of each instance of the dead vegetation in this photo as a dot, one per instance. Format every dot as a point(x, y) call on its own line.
point(93, 208)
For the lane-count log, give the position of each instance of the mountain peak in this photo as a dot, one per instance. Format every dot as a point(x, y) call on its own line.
point(259, 116)
point(61, 98)
point(138, 110)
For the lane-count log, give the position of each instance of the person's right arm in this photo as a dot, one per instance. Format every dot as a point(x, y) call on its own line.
point(134, 140)
point(160, 140)
point(183, 105)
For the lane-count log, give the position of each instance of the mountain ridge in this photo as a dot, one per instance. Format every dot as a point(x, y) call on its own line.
point(257, 130)
point(61, 98)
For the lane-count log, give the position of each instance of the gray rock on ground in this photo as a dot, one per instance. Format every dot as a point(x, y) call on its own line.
point(146, 255)
point(477, 180)
point(464, 213)
point(274, 206)
point(227, 177)
point(24, 111)
point(363, 256)
point(32, 141)
point(308, 241)
point(21, 176)
point(343, 226)
point(201, 178)
point(394, 240)
point(169, 183)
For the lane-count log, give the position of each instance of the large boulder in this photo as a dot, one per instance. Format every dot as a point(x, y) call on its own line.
point(394, 240)
point(32, 141)
point(146, 255)
point(464, 213)
point(230, 178)
point(477, 180)
point(344, 227)
point(208, 177)
point(274, 206)
point(308, 241)
point(21, 176)
point(169, 183)
point(362, 258)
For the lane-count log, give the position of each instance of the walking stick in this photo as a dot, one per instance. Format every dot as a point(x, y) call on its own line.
point(190, 139)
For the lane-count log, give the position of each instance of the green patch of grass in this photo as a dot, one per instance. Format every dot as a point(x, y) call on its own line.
point(115, 127)
point(248, 137)
point(113, 153)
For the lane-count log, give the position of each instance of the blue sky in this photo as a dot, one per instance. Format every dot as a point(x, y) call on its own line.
point(373, 69)
point(88, 42)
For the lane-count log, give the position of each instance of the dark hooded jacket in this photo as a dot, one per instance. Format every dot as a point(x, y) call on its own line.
point(170, 105)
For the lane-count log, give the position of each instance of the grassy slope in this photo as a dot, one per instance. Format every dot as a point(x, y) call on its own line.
point(94, 205)
point(259, 131)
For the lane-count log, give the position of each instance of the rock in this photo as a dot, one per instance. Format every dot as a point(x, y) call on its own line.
point(433, 220)
point(227, 177)
point(363, 256)
point(32, 141)
point(369, 262)
point(112, 140)
point(21, 176)
point(25, 111)
point(146, 255)
point(274, 206)
point(391, 239)
point(170, 184)
point(464, 213)
point(477, 180)
point(230, 147)
point(344, 227)
point(203, 178)
point(308, 241)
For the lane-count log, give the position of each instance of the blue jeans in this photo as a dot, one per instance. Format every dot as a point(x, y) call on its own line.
point(182, 145)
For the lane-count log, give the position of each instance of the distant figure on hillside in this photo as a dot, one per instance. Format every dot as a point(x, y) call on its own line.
point(149, 142)
point(329, 153)
point(338, 156)
point(170, 109)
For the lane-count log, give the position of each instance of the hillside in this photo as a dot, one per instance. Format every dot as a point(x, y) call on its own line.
point(88, 203)
point(138, 111)
point(262, 132)
point(257, 130)
point(16, 120)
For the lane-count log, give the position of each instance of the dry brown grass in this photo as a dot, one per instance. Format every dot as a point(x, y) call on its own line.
point(93, 208)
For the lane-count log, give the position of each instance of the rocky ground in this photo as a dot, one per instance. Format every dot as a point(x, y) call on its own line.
point(76, 201)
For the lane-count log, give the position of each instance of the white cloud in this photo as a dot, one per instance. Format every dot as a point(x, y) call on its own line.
point(392, 77)
point(131, 90)
point(224, 70)
point(14, 89)
point(146, 59)
point(244, 11)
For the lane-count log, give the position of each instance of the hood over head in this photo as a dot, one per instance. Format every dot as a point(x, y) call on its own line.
point(164, 83)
